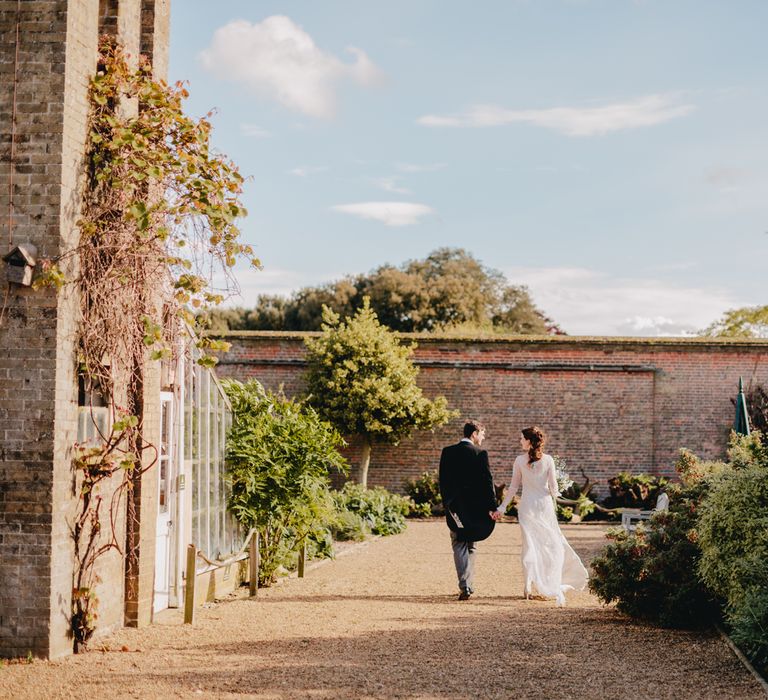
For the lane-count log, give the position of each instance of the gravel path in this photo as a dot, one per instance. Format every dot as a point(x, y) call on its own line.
point(383, 622)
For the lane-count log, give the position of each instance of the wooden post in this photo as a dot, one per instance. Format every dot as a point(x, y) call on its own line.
point(189, 591)
point(253, 564)
point(302, 558)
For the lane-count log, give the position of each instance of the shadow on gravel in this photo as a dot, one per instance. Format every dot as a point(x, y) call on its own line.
point(516, 653)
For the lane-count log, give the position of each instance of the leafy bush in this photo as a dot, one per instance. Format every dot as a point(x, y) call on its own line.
point(279, 454)
point(349, 526)
point(425, 489)
point(734, 541)
point(634, 490)
point(382, 512)
point(734, 530)
point(713, 542)
point(748, 620)
point(420, 510)
point(564, 513)
point(652, 574)
point(747, 450)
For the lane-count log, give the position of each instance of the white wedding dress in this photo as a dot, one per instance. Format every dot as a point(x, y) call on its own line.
point(550, 566)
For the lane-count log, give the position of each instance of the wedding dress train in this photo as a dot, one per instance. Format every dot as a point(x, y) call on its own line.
point(550, 566)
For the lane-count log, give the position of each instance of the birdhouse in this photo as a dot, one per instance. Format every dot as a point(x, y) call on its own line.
point(20, 264)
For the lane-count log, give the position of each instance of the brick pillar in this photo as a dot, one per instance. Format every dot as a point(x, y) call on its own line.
point(42, 145)
point(44, 79)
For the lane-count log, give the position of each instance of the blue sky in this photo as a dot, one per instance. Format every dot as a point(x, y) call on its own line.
point(609, 154)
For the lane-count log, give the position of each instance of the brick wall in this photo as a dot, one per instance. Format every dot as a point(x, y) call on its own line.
point(608, 404)
point(41, 156)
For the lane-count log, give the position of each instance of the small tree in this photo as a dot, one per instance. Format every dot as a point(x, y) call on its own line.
point(279, 453)
point(362, 380)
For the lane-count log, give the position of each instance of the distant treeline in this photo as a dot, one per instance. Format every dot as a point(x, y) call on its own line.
point(449, 290)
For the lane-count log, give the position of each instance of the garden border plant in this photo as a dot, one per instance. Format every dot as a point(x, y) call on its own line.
point(279, 455)
point(158, 215)
point(651, 573)
point(704, 559)
point(733, 535)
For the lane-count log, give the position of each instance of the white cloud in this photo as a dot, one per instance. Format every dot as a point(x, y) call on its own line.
point(389, 213)
point(255, 131)
point(585, 302)
point(416, 168)
point(306, 170)
point(389, 184)
point(572, 121)
point(277, 59)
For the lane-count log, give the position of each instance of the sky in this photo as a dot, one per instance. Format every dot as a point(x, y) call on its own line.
point(608, 154)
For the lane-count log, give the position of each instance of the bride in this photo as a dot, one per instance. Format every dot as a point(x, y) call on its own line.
point(549, 564)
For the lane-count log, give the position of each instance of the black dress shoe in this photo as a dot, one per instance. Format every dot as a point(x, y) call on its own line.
point(465, 595)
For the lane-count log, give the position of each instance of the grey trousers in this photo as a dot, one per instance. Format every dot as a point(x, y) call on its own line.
point(464, 559)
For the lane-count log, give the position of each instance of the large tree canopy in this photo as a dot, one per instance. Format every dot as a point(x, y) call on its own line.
point(450, 289)
point(747, 322)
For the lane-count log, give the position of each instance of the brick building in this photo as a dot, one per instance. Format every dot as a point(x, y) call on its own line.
point(48, 53)
point(608, 404)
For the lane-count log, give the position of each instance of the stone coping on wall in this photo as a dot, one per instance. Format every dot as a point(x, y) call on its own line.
point(697, 342)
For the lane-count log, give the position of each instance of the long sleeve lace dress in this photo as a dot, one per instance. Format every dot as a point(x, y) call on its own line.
point(550, 566)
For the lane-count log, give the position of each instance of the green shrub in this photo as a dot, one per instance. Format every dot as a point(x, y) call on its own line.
point(383, 512)
point(748, 620)
point(349, 526)
point(634, 490)
point(425, 489)
point(746, 451)
point(564, 513)
point(279, 453)
point(733, 529)
point(420, 510)
point(652, 574)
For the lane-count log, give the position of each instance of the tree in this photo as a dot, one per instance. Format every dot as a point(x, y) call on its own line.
point(448, 290)
point(279, 453)
point(747, 322)
point(362, 380)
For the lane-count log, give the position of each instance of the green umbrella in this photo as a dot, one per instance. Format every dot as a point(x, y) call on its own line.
point(741, 422)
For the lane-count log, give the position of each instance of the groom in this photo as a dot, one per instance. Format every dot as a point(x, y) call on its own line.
point(466, 487)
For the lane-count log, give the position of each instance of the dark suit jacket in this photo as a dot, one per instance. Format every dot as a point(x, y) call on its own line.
point(466, 486)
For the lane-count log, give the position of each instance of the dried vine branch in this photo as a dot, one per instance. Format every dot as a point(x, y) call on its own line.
point(157, 225)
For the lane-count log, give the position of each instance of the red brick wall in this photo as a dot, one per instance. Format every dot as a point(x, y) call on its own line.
point(608, 404)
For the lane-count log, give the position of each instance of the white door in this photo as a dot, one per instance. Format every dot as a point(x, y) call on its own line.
point(163, 549)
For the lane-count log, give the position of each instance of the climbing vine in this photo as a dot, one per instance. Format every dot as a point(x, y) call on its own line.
point(157, 225)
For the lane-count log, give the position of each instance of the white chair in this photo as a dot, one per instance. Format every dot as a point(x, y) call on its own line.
point(631, 516)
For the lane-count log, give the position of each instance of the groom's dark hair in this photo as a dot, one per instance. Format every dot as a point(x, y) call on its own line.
point(471, 426)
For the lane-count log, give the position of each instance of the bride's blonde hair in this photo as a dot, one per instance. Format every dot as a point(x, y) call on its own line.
point(536, 437)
